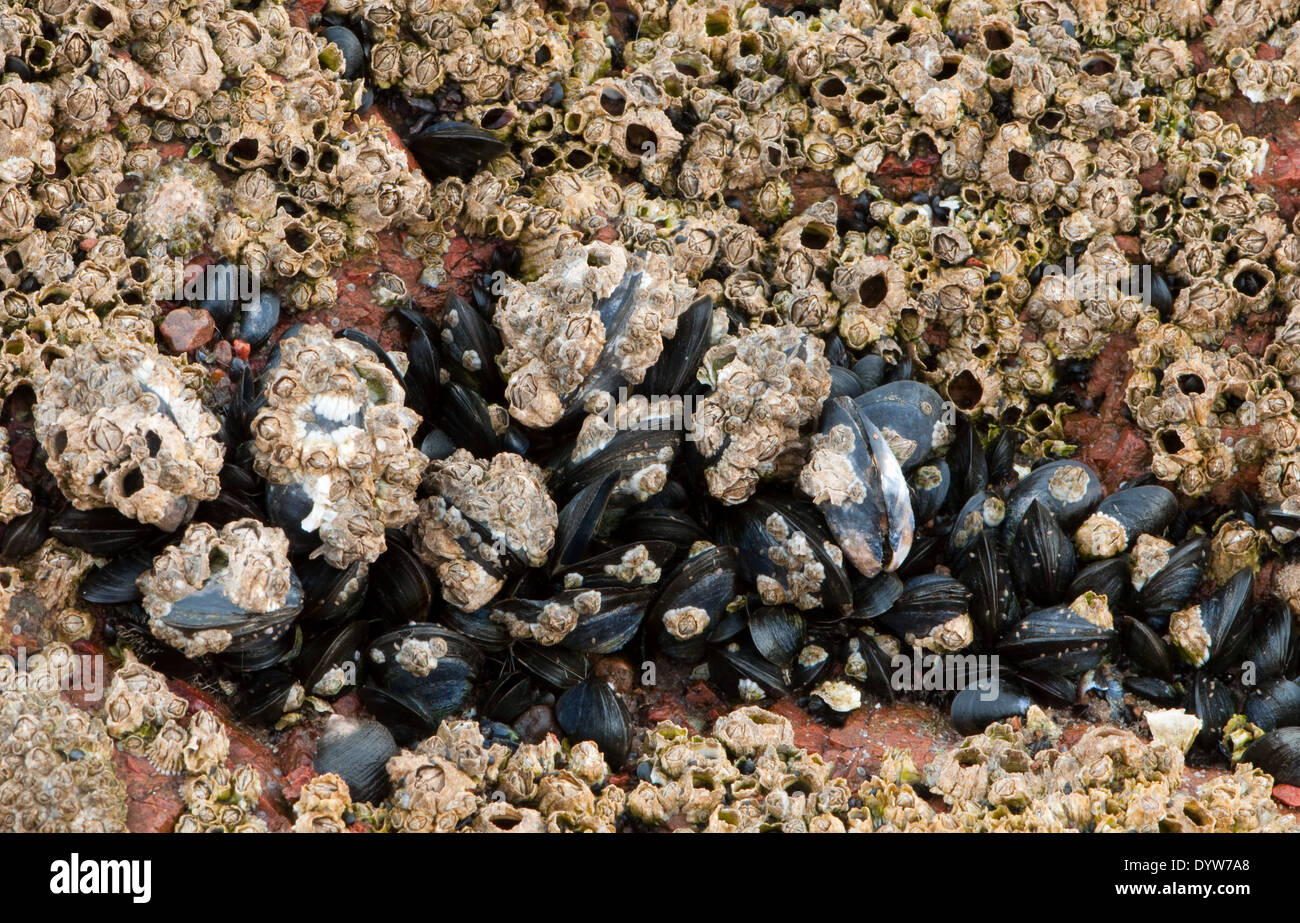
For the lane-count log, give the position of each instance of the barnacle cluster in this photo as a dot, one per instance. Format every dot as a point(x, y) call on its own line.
point(221, 800)
point(121, 426)
point(56, 761)
point(335, 434)
point(482, 515)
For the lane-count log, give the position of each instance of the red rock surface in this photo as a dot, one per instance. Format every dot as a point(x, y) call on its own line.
point(186, 329)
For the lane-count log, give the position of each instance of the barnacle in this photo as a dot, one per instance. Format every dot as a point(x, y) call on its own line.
point(122, 427)
point(334, 431)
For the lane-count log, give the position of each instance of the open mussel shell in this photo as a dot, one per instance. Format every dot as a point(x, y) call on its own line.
point(932, 611)
point(593, 711)
point(1146, 649)
point(431, 693)
point(1044, 556)
point(1056, 640)
point(984, 571)
point(982, 512)
point(1069, 489)
point(1274, 705)
point(777, 633)
point(983, 703)
point(610, 627)
point(693, 600)
point(22, 535)
point(332, 664)
point(1212, 701)
point(1278, 754)
point(912, 418)
point(556, 667)
point(1109, 578)
point(579, 520)
point(401, 587)
point(875, 532)
point(115, 582)
point(1169, 587)
point(358, 752)
point(929, 485)
point(331, 595)
point(1122, 517)
point(784, 548)
point(1214, 633)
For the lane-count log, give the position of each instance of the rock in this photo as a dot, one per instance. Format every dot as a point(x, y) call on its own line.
point(186, 329)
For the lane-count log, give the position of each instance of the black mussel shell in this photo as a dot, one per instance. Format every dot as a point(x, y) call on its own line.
point(1211, 701)
point(875, 532)
point(407, 723)
point(508, 696)
point(1274, 705)
point(115, 582)
point(737, 664)
point(630, 451)
point(636, 564)
point(674, 371)
point(228, 506)
point(579, 520)
point(1146, 649)
point(982, 512)
point(970, 469)
point(929, 485)
point(1168, 588)
point(1214, 633)
point(102, 531)
point(464, 416)
point(262, 696)
point(1278, 754)
point(276, 644)
point(1282, 521)
point(912, 418)
point(761, 530)
point(1123, 516)
point(469, 345)
point(810, 665)
point(1056, 640)
point(24, 534)
point(1043, 685)
point(556, 667)
point(1108, 577)
point(370, 343)
point(1271, 649)
point(705, 581)
point(422, 381)
point(454, 149)
point(933, 611)
point(874, 596)
point(593, 711)
point(358, 752)
point(332, 595)
point(870, 370)
point(983, 569)
point(981, 704)
point(479, 626)
point(254, 324)
point(873, 665)
point(401, 587)
point(441, 691)
point(1150, 687)
point(844, 383)
point(1069, 489)
point(612, 626)
point(288, 506)
point(332, 664)
point(1001, 457)
point(354, 61)
point(658, 524)
point(1044, 556)
point(777, 633)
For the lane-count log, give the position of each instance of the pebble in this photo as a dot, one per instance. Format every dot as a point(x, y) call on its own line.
point(186, 329)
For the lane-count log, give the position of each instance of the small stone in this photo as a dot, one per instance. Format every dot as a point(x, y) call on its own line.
point(186, 329)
